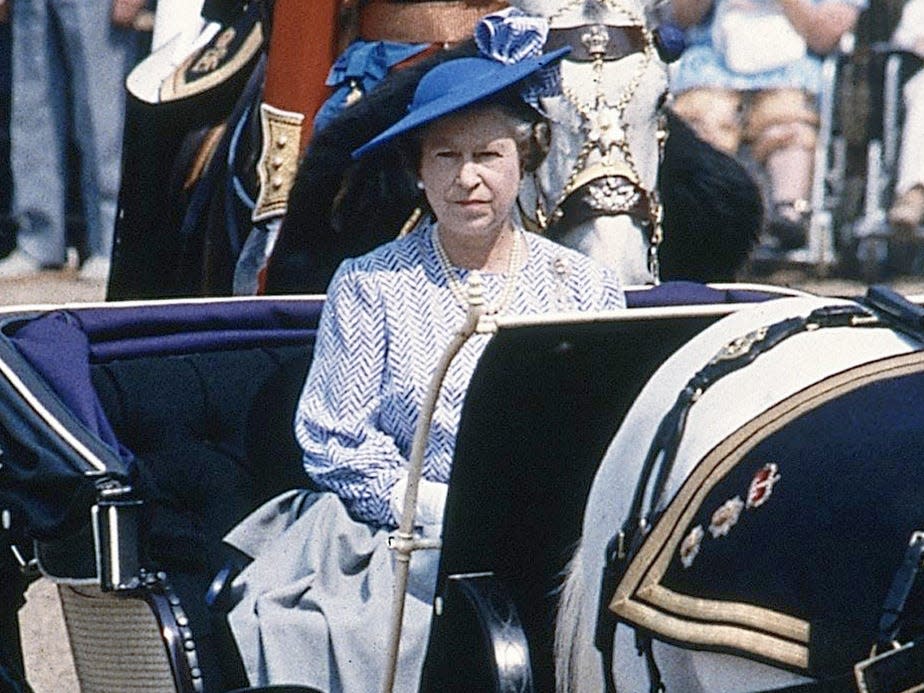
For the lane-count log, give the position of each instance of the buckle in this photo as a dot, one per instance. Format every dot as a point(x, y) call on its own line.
point(875, 673)
point(29, 567)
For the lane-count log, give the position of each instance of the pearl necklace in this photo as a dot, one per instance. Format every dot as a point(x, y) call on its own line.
point(514, 260)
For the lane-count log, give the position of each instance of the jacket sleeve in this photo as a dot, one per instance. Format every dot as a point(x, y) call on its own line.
point(336, 421)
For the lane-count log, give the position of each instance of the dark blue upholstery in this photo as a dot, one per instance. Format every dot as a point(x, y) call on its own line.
point(200, 398)
point(680, 293)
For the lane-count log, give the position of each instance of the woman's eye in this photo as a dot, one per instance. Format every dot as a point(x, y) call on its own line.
point(488, 155)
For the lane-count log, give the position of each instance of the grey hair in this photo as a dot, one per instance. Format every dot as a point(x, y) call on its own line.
point(531, 133)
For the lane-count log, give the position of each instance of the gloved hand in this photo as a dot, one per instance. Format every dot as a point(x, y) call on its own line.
point(431, 501)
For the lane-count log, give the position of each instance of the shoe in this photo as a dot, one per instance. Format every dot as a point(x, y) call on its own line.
point(907, 211)
point(19, 265)
point(788, 224)
point(95, 269)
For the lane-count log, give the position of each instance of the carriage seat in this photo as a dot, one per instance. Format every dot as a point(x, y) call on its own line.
point(202, 413)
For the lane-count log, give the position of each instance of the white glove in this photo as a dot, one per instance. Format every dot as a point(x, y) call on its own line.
point(431, 501)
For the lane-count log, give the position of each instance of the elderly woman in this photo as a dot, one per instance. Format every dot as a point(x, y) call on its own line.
point(314, 604)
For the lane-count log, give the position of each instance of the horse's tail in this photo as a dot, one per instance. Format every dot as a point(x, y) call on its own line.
point(576, 663)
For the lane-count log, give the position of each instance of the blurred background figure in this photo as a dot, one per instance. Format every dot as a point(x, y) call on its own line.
point(7, 228)
point(180, 21)
point(749, 79)
point(907, 211)
point(69, 62)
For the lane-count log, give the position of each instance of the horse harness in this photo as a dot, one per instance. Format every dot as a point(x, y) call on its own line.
point(892, 667)
point(441, 22)
point(610, 186)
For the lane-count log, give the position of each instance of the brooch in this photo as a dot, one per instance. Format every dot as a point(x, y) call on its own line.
point(762, 485)
point(726, 517)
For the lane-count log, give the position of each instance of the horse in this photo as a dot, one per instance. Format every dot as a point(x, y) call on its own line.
point(603, 189)
point(721, 545)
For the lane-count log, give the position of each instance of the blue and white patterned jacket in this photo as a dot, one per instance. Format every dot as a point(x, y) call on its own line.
point(388, 318)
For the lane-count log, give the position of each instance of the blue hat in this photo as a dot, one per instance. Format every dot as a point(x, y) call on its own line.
point(455, 84)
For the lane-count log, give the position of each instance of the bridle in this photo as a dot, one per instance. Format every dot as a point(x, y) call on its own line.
point(610, 185)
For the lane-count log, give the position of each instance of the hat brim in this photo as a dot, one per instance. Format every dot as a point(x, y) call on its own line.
point(466, 94)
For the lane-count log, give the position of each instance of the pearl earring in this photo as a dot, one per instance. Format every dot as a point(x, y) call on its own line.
point(420, 185)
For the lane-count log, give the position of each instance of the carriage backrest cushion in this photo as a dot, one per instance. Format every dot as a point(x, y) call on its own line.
point(53, 354)
point(188, 419)
point(680, 293)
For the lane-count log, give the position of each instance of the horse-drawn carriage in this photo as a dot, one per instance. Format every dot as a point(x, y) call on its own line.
point(135, 434)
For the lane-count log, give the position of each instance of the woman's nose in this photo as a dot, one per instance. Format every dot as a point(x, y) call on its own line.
point(468, 175)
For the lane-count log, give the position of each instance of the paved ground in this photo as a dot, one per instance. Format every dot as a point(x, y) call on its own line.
point(51, 287)
point(48, 661)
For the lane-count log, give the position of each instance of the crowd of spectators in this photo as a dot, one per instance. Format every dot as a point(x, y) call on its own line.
point(749, 79)
point(64, 67)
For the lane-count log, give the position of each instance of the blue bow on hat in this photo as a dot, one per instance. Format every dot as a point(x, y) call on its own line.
point(510, 42)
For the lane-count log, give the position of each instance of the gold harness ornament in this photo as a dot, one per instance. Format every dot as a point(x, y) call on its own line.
point(604, 127)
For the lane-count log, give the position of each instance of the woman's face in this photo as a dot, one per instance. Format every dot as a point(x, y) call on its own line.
point(470, 168)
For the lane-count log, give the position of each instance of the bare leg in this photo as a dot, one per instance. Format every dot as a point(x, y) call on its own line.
point(782, 132)
point(790, 173)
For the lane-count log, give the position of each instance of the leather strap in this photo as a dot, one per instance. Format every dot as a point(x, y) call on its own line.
point(897, 670)
point(890, 622)
point(590, 41)
point(432, 21)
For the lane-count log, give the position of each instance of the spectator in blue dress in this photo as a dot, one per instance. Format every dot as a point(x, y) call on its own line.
point(313, 607)
point(750, 76)
point(70, 60)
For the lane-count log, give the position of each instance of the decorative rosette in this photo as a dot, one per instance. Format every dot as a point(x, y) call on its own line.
point(511, 35)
